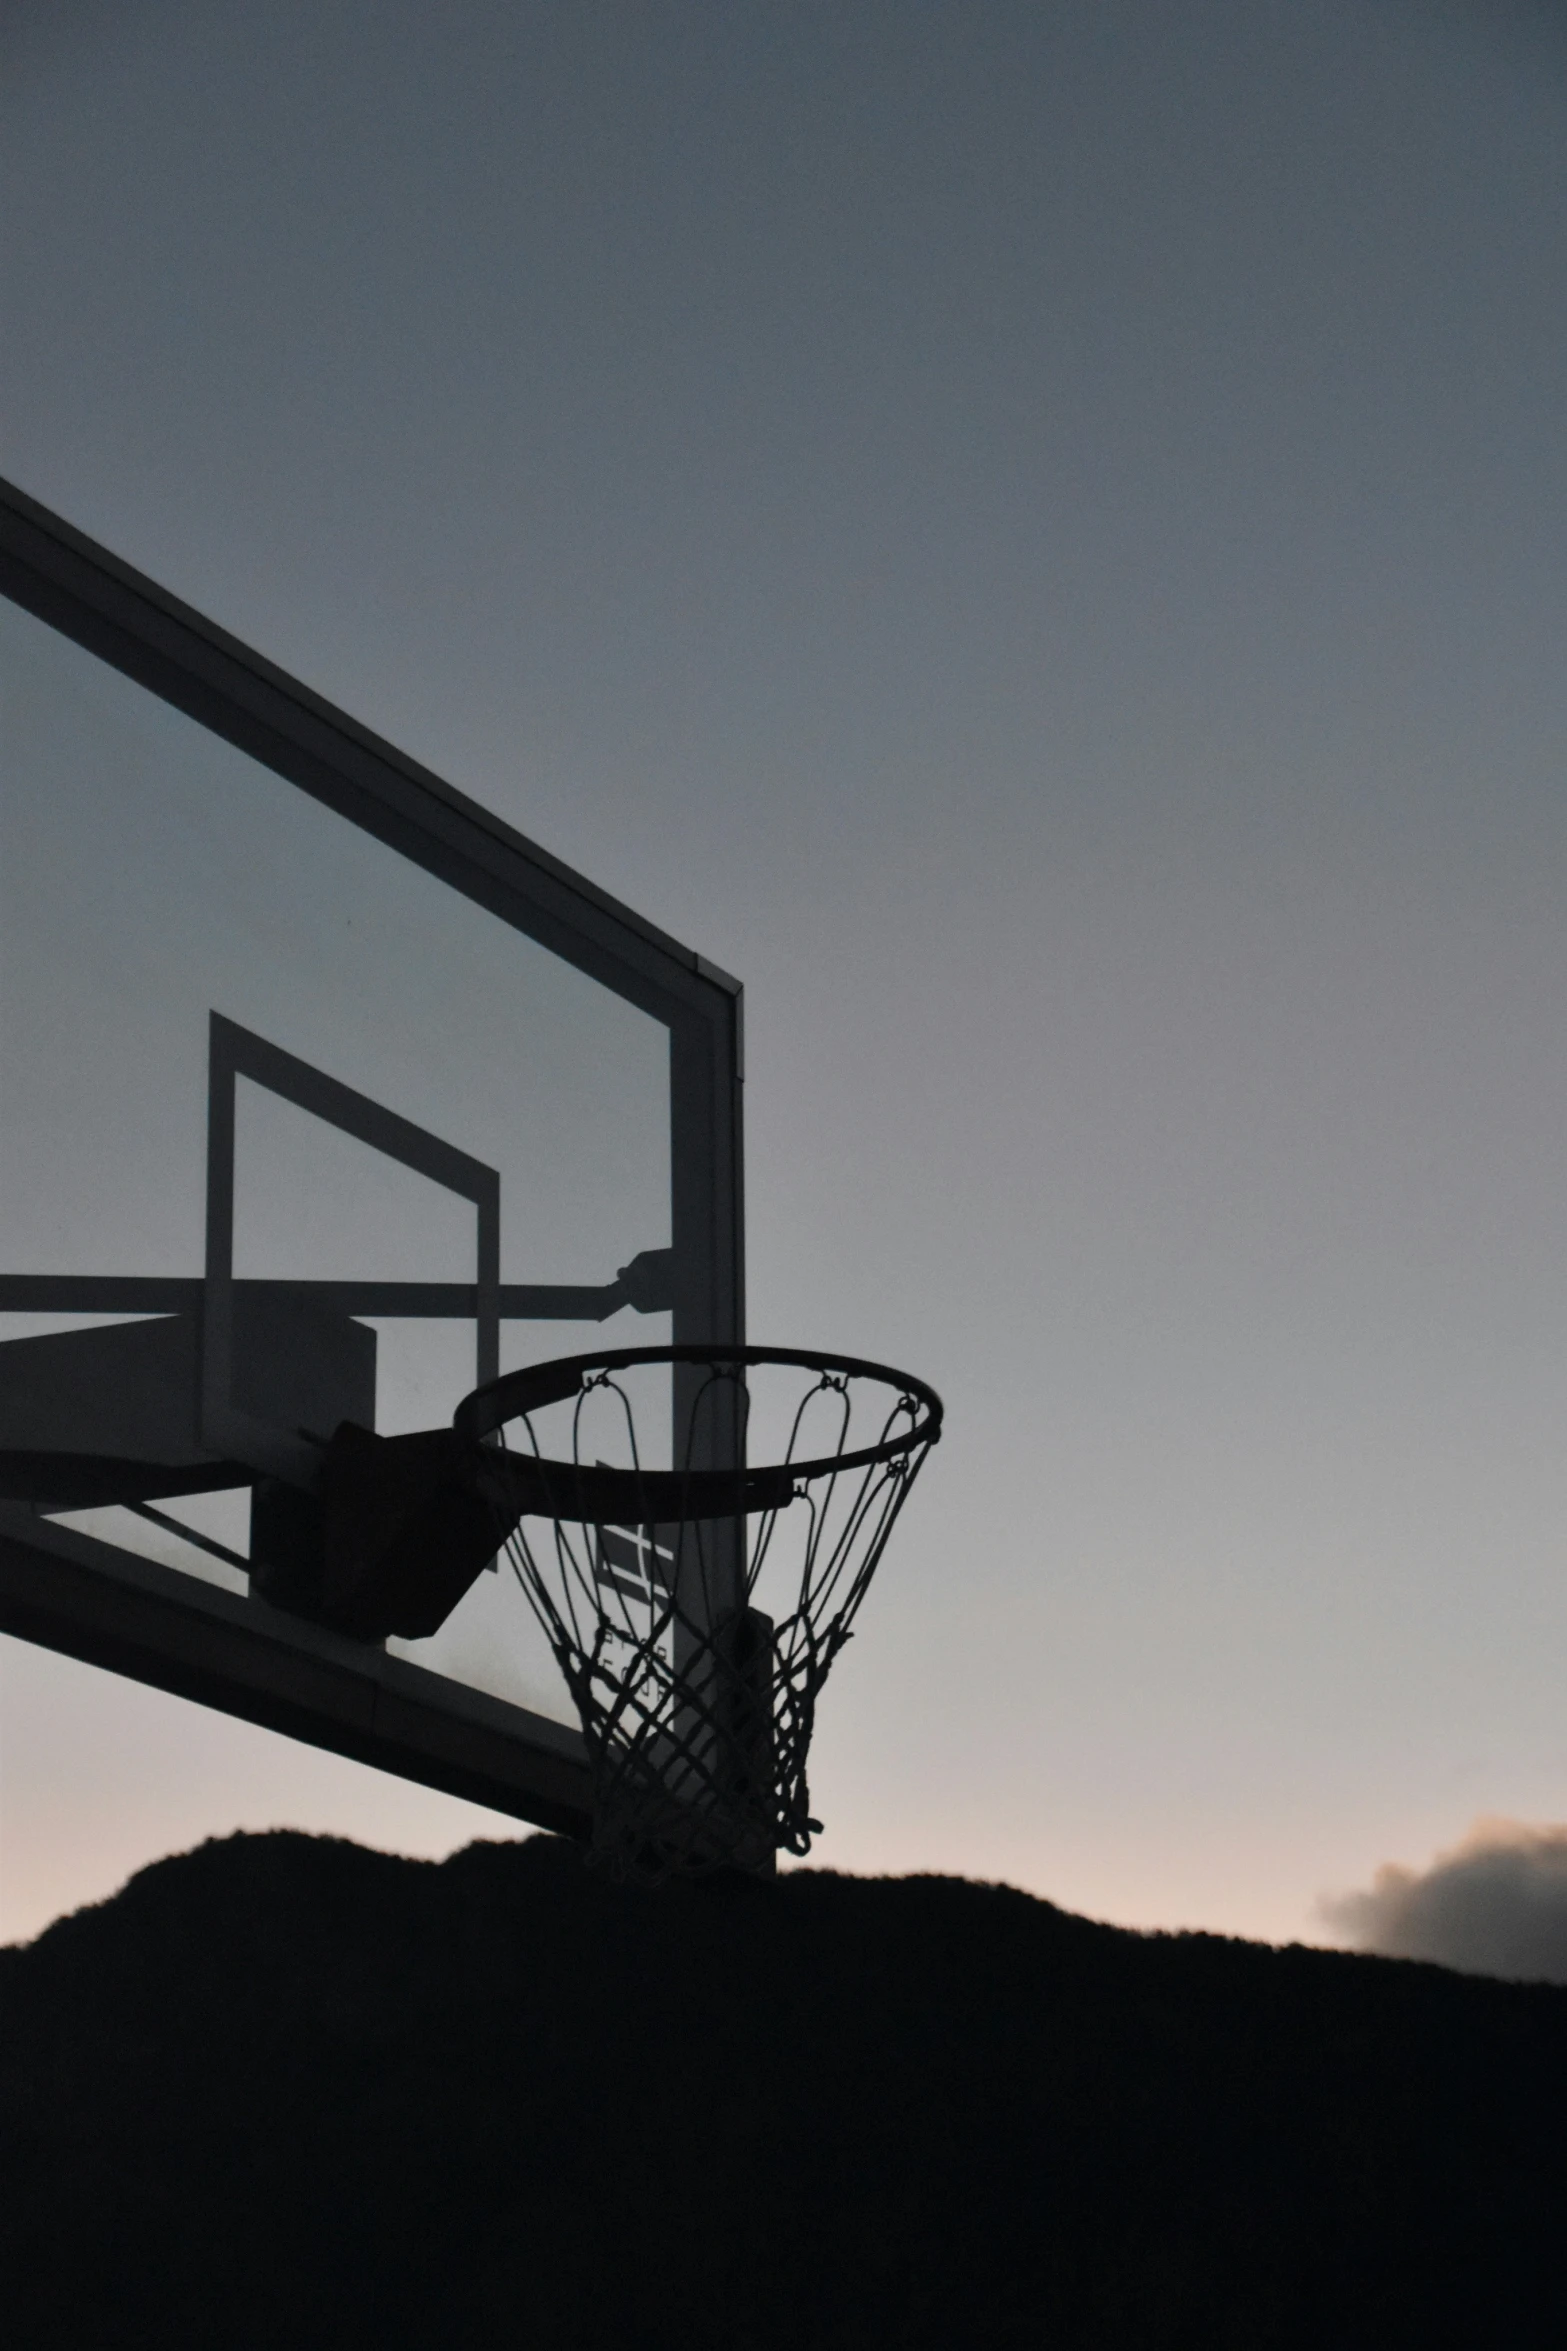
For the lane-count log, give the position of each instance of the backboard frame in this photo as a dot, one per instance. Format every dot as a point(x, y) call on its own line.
point(67, 1591)
point(236, 1053)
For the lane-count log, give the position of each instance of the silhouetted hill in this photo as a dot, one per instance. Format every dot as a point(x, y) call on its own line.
point(285, 2092)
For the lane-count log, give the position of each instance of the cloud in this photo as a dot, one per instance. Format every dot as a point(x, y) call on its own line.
point(1495, 1905)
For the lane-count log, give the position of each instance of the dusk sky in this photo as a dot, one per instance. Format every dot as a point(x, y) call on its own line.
point(1036, 536)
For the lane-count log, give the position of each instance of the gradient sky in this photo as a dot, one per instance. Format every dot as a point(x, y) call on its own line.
point(1034, 535)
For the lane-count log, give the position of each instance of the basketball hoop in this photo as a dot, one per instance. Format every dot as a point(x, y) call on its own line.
point(697, 1705)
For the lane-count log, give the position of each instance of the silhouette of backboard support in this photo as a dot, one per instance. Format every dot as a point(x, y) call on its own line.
point(324, 1096)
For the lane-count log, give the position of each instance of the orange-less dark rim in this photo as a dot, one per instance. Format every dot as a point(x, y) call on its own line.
point(568, 1489)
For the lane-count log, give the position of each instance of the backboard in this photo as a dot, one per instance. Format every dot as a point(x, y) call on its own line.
point(324, 1096)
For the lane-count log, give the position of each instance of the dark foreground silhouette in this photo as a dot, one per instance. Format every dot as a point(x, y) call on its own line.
point(285, 2092)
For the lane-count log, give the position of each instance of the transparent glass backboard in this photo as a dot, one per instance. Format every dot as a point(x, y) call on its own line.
point(293, 1131)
